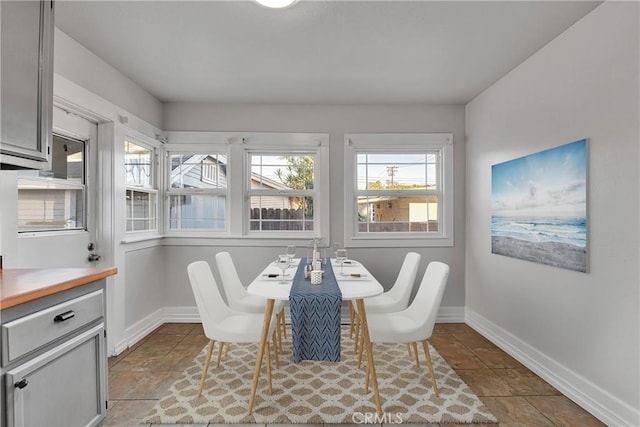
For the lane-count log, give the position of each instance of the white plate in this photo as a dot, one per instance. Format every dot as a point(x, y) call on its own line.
point(277, 276)
point(349, 277)
point(347, 263)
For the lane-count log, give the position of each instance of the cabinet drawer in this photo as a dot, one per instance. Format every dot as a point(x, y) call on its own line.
point(30, 332)
point(64, 386)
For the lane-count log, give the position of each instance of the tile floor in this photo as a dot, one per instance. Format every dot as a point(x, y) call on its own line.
point(140, 376)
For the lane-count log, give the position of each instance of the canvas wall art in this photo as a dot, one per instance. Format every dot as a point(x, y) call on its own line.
point(539, 207)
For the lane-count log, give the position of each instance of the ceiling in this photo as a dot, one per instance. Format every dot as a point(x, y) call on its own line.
point(316, 52)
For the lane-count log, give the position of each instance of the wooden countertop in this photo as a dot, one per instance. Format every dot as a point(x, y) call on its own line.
point(18, 285)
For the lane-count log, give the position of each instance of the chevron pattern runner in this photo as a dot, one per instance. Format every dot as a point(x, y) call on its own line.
point(315, 316)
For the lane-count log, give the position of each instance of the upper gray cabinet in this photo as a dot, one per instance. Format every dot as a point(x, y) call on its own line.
point(26, 83)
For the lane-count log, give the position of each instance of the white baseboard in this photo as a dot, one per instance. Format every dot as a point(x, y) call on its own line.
point(148, 324)
point(450, 315)
point(594, 399)
point(181, 315)
point(143, 327)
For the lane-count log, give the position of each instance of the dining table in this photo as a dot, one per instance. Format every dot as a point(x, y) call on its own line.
point(355, 282)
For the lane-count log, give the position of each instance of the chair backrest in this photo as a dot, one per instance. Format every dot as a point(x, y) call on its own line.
point(233, 288)
point(424, 308)
point(401, 290)
point(211, 306)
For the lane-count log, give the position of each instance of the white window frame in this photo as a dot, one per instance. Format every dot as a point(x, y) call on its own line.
point(307, 234)
point(25, 182)
point(189, 148)
point(237, 145)
point(442, 143)
point(290, 143)
point(154, 146)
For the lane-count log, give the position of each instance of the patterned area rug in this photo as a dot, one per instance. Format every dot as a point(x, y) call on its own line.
point(319, 392)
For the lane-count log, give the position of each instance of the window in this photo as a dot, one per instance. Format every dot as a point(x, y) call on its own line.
point(401, 188)
point(197, 191)
point(248, 188)
point(55, 199)
point(281, 191)
point(141, 194)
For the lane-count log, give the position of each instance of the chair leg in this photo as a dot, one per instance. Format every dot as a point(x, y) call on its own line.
point(368, 369)
point(269, 367)
point(226, 350)
point(351, 319)
point(284, 324)
point(409, 349)
point(277, 341)
point(357, 334)
point(221, 346)
point(206, 366)
point(360, 351)
point(275, 351)
point(415, 352)
point(425, 346)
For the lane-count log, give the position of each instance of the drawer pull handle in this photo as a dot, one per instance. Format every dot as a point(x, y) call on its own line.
point(22, 383)
point(64, 316)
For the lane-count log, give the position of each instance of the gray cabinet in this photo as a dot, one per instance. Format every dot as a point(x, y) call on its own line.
point(26, 83)
point(54, 363)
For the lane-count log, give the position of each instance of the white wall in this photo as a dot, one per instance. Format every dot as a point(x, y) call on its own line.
point(335, 120)
point(579, 330)
point(145, 285)
point(81, 66)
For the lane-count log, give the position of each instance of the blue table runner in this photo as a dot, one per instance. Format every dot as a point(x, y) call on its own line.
point(315, 316)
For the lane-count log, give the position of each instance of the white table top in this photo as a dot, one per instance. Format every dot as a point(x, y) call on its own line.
point(350, 286)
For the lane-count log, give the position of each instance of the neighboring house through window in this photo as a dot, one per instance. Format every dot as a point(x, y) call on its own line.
point(251, 185)
point(399, 187)
point(55, 199)
point(140, 180)
point(281, 192)
point(197, 191)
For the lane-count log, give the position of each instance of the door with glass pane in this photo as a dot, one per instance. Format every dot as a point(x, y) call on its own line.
point(56, 207)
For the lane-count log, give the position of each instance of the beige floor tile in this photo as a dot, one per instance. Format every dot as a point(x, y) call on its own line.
point(473, 340)
point(138, 373)
point(197, 329)
point(485, 382)
point(460, 328)
point(178, 360)
point(141, 360)
point(127, 413)
point(468, 425)
point(176, 329)
point(523, 382)
point(121, 382)
point(563, 412)
point(195, 340)
point(497, 359)
point(515, 410)
point(460, 358)
point(153, 386)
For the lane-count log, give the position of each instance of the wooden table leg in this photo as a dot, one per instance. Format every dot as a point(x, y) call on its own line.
point(351, 320)
point(369, 349)
point(263, 341)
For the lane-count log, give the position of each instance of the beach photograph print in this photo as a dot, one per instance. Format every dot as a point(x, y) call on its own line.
point(539, 207)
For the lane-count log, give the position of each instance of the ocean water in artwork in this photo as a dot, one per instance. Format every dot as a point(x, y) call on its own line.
point(539, 207)
point(570, 230)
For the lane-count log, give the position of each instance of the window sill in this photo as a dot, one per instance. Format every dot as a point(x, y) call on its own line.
point(399, 242)
point(141, 238)
point(52, 233)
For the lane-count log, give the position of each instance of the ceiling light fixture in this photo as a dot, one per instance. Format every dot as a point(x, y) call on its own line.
point(276, 4)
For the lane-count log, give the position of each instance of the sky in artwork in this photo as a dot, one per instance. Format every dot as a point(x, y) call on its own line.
point(548, 183)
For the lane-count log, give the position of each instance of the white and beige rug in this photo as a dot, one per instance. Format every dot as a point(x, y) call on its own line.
point(320, 392)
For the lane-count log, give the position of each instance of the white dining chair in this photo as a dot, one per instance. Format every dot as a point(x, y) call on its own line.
point(239, 299)
point(220, 322)
point(415, 323)
point(395, 299)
